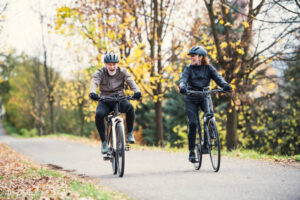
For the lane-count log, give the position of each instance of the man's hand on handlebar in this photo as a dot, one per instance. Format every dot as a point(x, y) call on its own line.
point(94, 96)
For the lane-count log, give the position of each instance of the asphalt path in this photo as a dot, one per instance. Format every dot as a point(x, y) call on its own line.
point(154, 175)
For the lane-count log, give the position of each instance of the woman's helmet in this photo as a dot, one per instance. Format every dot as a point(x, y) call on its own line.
point(111, 58)
point(198, 50)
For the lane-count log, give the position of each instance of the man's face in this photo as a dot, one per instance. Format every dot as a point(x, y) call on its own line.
point(195, 59)
point(111, 67)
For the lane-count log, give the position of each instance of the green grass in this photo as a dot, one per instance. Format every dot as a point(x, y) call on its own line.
point(88, 190)
point(37, 195)
point(46, 172)
point(244, 153)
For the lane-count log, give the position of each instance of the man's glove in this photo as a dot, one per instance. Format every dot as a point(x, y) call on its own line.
point(227, 88)
point(94, 96)
point(137, 95)
point(182, 89)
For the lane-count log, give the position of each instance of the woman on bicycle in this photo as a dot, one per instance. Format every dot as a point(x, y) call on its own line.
point(197, 76)
point(111, 80)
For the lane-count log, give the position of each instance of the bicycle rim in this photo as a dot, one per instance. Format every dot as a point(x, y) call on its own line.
point(214, 147)
point(198, 162)
point(113, 155)
point(120, 149)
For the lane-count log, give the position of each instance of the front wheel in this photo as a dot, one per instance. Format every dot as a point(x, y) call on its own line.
point(112, 151)
point(120, 154)
point(214, 146)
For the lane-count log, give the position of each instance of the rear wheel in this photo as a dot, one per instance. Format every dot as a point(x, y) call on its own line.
point(214, 146)
point(120, 154)
point(198, 162)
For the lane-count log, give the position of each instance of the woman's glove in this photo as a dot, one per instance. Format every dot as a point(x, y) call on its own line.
point(227, 88)
point(137, 95)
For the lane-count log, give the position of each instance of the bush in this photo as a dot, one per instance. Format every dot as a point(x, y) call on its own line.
point(29, 133)
point(10, 130)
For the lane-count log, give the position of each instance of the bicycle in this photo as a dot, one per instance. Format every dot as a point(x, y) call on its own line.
point(115, 136)
point(211, 135)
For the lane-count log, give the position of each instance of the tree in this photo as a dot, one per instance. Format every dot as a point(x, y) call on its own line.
point(74, 96)
point(111, 24)
point(234, 49)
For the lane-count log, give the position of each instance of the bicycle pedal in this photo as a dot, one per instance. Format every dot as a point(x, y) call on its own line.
point(127, 147)
point(106, 158)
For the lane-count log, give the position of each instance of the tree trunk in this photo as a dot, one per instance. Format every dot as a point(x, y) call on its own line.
point(53, 131)
point(40, 125)
point(81, 116)
point(159, 123)
point(231, 127)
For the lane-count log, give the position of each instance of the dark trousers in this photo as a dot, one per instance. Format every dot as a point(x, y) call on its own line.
point(104, 108)
point(192, 105)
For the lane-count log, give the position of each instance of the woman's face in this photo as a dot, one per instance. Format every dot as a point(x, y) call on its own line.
point(195, 59)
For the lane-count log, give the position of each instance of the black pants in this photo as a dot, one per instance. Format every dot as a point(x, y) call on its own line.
point(104, 108)
point(192, 104)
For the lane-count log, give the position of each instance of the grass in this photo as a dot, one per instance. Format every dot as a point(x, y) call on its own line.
point(88, 190)
point(46, 172)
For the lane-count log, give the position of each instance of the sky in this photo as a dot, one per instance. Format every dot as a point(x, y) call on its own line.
point(22, 32)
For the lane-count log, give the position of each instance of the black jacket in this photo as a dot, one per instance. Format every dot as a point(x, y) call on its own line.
point(198, 77)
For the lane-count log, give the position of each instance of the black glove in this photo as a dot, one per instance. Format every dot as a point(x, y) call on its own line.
point(227, 88)
point(94, 96)
point(182, 89)
point(137, 95)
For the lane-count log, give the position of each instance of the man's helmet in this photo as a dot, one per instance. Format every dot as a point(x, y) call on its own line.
point(111, 58)
point(198, 50)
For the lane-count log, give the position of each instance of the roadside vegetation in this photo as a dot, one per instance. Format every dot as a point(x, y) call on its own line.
point(20, 178)
point(236, 153)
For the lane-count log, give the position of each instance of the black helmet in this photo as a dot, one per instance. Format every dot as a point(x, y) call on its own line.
point(198, 50)
point(111, 58)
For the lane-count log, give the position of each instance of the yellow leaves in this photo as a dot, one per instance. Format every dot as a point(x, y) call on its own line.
point(221, 21)
point(271, 86)
point(246, 25)
point(228, 24)
point(153, 80)
point(237, 69)
point(240, 51)
point(224, 45)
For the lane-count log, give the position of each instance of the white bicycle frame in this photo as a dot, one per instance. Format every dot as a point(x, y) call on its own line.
point(115, 121)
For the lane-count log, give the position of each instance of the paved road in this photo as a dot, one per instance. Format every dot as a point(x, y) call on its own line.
point(153, 175)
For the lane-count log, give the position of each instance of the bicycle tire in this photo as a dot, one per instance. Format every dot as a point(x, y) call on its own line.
point(120, 153)
point(214, 147)
point(112, 151)
point(198, 162)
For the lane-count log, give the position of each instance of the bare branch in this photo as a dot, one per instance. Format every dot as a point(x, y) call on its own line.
point(285, 8)
point(254, 18)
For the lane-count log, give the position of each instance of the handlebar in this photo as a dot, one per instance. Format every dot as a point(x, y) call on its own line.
point(116, 99)
point(205, 93)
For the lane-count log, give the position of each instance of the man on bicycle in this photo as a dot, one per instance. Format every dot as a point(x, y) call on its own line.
point(197, 76)
point(111, 80)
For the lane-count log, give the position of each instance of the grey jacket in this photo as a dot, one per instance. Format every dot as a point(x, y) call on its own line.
point(110, 85)
point(198, 77)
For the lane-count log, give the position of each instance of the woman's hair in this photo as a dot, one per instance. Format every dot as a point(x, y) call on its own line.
point(204, 61)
